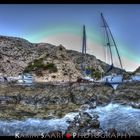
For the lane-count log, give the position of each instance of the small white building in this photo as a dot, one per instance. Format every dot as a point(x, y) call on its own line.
point(22, 78)
point(25, 78)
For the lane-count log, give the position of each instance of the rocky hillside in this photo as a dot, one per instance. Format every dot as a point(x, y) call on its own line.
point(53, 65)
point(45, 61)
point(16, 53)
point(91, 61)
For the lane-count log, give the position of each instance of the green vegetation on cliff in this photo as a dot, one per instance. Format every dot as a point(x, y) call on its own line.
point(94, 73)
point(38, 65)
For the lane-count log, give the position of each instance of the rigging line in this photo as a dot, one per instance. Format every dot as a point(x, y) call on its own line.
point(115, 47)
point(84, 43)
point(108, 43)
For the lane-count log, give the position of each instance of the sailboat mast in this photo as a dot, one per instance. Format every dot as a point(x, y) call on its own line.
point(108, 40)
point(83, 48)
point(84, 40)
point(106, 26)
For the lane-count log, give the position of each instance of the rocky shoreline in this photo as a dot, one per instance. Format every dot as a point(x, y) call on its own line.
point(55, 101)
point(86, 125)
point(44, 101)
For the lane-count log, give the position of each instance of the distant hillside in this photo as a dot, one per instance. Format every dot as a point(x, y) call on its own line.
point(45, 61)
point(128, 75)
point(137, 70)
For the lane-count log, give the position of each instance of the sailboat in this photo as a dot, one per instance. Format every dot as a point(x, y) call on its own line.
point(114, 78)
point(86, 72)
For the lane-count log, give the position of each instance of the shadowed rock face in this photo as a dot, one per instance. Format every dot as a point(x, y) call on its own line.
point(128, 93)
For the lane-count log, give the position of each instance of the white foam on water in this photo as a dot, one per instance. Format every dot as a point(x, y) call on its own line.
point(70, 116)
point(35, 126)
point(120, 117)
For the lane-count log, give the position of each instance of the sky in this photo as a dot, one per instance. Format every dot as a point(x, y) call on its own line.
point(62, 24)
